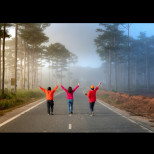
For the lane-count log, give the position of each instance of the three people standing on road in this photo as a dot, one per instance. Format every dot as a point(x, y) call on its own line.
point(50, 98)
point(69, 93)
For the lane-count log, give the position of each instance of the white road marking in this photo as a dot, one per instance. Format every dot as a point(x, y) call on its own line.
point(5, 122)
point(126, 117)
point(70, 126)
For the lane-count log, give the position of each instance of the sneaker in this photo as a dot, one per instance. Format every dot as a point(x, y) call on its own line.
point(52, 114)
point(48, 114)
point(71, 112)
point(92, 114)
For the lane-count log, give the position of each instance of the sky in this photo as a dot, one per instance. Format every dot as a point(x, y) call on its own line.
point(79, 38)
point(136, 28)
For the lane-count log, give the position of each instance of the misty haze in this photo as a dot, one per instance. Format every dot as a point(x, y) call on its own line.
point(118, 58)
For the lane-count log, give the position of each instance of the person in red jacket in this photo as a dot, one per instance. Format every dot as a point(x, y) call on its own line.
point(92, 97)
point(50, 98)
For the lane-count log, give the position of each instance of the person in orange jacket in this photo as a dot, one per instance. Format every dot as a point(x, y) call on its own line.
point(92, 97)
point(49, 98)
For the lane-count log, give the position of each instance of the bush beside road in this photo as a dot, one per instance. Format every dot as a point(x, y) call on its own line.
point(22, 97)
point(137, 105)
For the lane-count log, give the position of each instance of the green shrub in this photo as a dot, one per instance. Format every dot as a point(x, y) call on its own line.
point(10, 99)
point(114, 90)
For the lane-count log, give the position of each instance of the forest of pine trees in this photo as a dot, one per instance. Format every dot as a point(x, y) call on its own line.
point(127, 62)
point(24, 57)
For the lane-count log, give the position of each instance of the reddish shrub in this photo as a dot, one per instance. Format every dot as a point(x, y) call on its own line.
point(138, 105)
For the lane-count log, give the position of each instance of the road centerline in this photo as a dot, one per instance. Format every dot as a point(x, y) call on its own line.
point(70, 126)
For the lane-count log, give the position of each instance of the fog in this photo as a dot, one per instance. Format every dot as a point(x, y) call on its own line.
point(79, 39)
point(118, 54)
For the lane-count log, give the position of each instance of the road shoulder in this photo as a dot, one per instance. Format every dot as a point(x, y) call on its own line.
point(142, 121)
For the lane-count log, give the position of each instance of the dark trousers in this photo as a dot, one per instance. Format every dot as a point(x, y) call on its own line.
point(50, 104)
point(91, 105)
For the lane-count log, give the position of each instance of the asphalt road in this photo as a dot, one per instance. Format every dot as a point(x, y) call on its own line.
point(104, 120)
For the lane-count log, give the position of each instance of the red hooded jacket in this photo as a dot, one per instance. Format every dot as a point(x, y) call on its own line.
point(92, 95)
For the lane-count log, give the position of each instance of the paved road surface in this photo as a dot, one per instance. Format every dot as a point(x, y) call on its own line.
point(105, 120)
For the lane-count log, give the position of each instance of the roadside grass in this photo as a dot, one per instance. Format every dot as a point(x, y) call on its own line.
point(12, 101)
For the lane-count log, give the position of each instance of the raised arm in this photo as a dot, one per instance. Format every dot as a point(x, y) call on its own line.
point(42, 89)
point(98, 86)
point(76, 87)
point(64, 88)
point(56, 87)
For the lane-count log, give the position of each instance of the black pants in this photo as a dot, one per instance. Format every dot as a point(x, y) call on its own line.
point(91, 105)
point(50, 104)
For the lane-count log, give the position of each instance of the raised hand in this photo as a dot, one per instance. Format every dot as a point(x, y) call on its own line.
point(99, 83)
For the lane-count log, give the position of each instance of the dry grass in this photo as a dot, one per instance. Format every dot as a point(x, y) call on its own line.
point(137, 105)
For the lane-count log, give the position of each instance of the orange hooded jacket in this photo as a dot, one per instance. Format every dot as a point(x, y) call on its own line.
point(49, 93)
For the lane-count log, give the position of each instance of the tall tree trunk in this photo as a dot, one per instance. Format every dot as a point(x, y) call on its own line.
point(41, 68)
point(32, 69)
point(28, 69)
point(24, 63)
point(36, 85)
point(109, 82)
point(49, 70)
point(147, 68)
point(21, 76)
point(6, 77)
point(106, 74)
point(36, 71)
point(3, 60)
point(52, 73)
point(136, 73)
point(115, 58)
point(116, 79)
point(15, 65)
point(128, 62)
point(56, 71)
